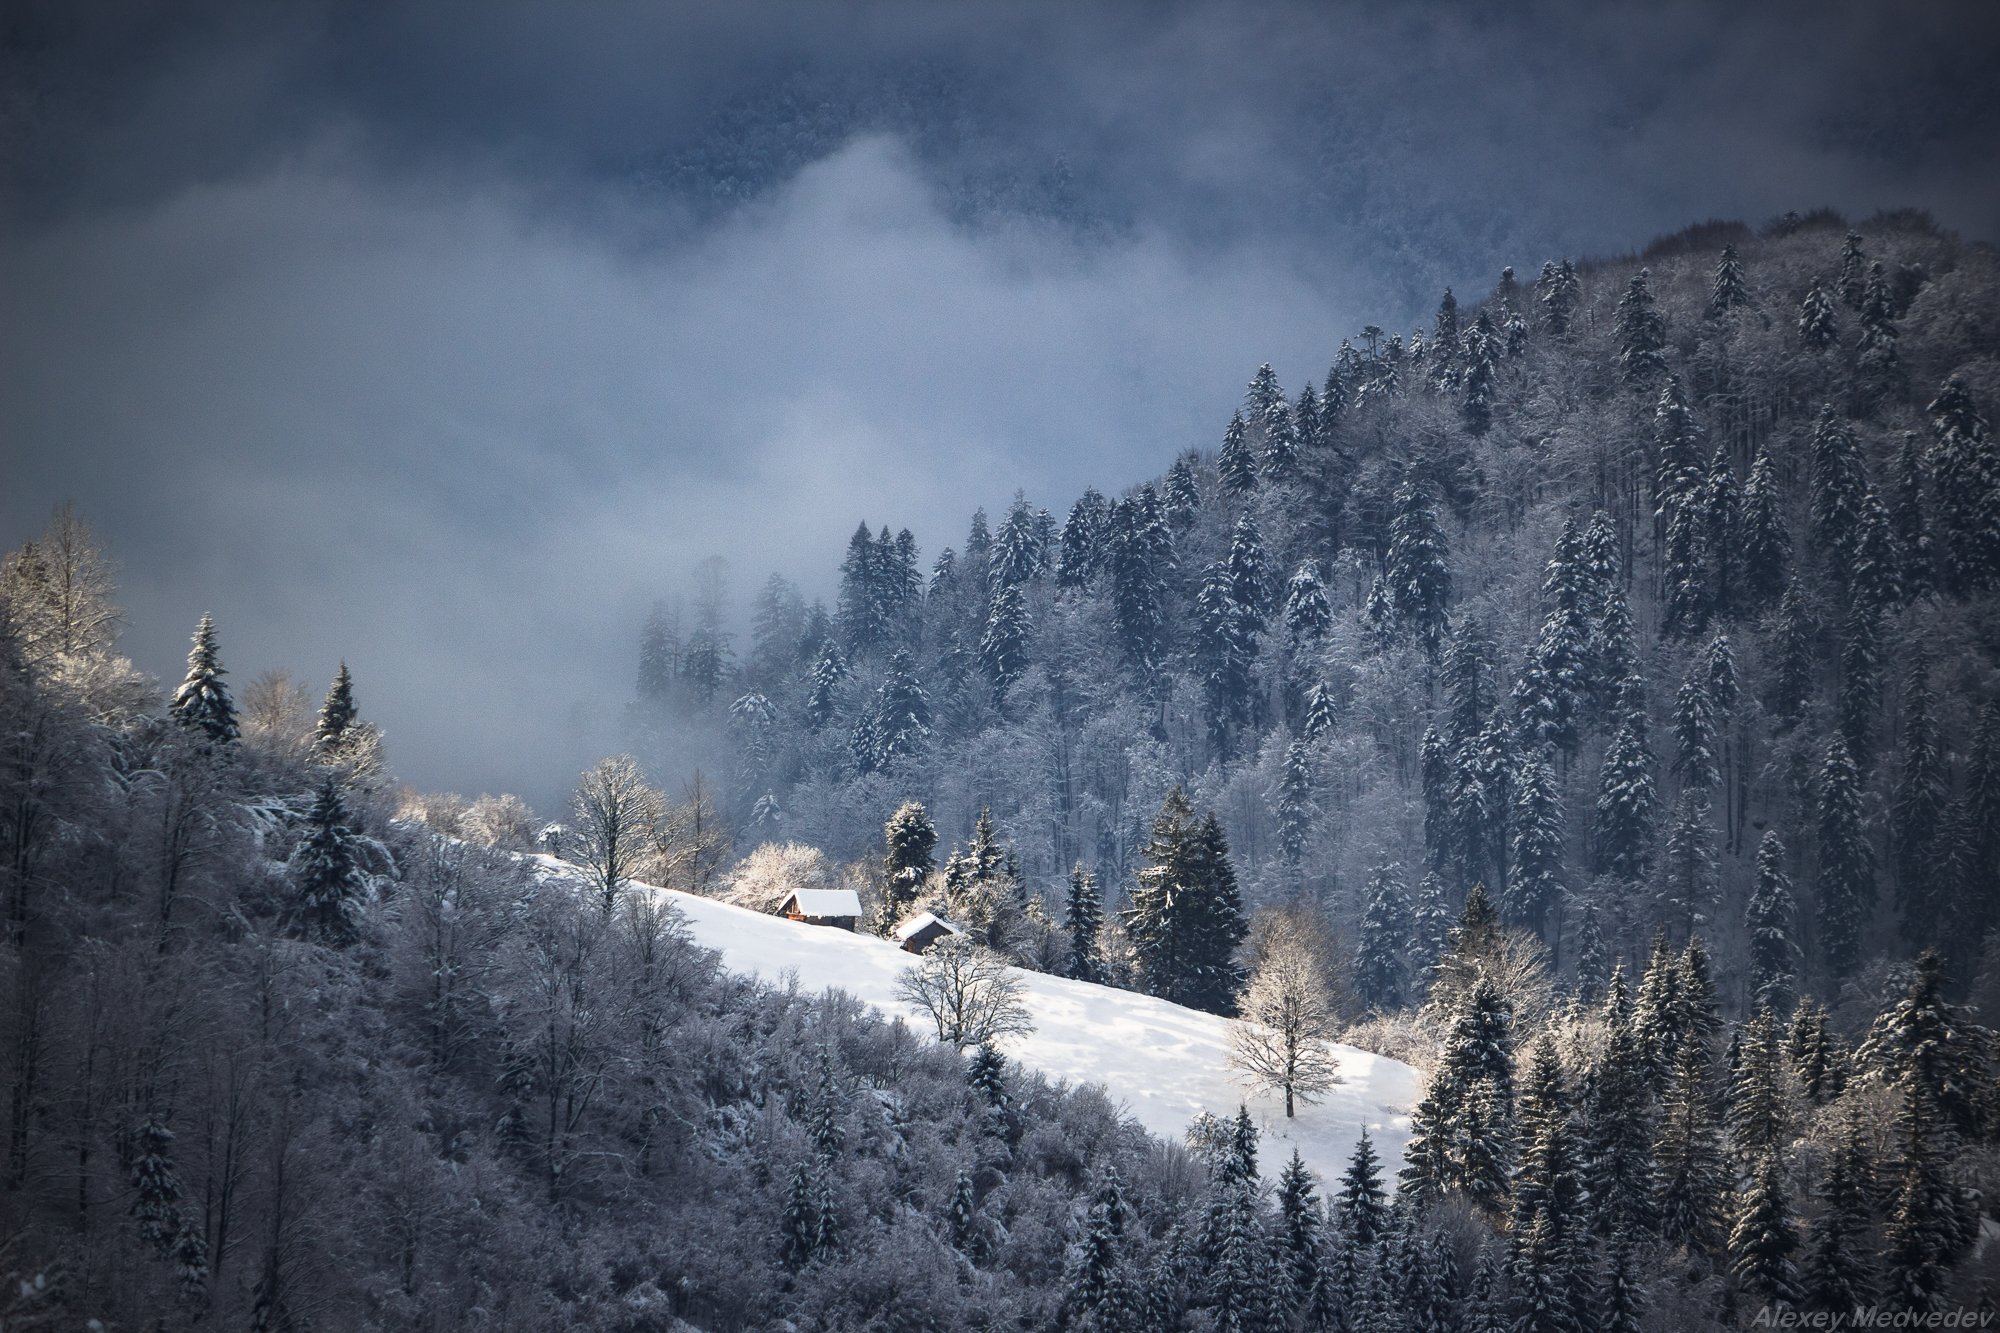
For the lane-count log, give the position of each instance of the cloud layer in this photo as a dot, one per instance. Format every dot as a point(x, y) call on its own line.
point(445, 338)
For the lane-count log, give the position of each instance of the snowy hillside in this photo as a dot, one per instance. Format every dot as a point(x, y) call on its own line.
point(1165, 1064)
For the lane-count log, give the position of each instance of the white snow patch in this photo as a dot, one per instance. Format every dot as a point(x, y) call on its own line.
point(1163, 1063)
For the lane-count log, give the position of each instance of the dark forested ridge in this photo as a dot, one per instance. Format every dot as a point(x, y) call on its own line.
point(1589, 698)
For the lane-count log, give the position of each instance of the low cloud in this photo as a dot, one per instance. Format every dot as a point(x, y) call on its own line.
point(464, 446)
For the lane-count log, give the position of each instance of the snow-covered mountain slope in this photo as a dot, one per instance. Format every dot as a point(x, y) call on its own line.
point(1163, 1063)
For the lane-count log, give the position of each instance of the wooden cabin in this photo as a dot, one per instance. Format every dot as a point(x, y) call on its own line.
point(923, 930)
point(840, 908)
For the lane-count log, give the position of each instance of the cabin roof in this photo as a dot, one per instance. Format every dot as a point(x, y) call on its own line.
point(825, 902)
point(922, 920)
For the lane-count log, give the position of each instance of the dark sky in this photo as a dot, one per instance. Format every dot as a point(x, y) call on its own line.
point(446, 337)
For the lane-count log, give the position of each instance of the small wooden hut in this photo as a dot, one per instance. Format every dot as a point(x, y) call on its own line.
point(824, 907)
point(923, 930)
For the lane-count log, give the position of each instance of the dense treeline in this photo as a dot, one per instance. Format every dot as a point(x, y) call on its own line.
point(1638, 620)
point(1592, 594)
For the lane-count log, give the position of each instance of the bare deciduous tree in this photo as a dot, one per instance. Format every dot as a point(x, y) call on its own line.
point(617, 818)
point(694, 843)
point(276, 714)
point(968, 990)
point(1283, 1039)
point(60, 587)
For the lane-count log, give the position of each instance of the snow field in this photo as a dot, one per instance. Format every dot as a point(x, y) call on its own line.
point(1163, 1063)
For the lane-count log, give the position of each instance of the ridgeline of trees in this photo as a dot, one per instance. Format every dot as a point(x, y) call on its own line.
point(1635, 619)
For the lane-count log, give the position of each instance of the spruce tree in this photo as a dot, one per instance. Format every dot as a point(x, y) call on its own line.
point(156, 1186)
point(1876, 577)
point(1764, 547)
point(1688, 884)
point(1819, 325)
point(1549, 696)
point(1685, 570)
point(1544, 1282)
point(1909, 522)
point(336, 716)
point(911, 842)
point(1186, 914)
point(1003, 646)
point(1430, 927)
point(1920, 1234)
point(962, 1217)
point(1263, 392)
point(1618, 1155)
point(1876, 357)
point(1560, 294)
point(1641, 333)
point(1933, 1057)
point(1140, 557)
point(1308, 613)
point(1300, 1239)
point(1677, 476)
point(1839, 1276)
point(331, 885)
point(1839, 484)
point(1295, 810)
point(1692, 1181)
point(202, 702)
point(1722, 520)
point(1696, 744)
point(1481, 368)
point(1226, 654)
point(1700, 1002)
point(902, 711)
point(1728, 291)
point(1249, 574)
point(1380, 974)
point(862, 605)
point(1625, 803)
point(1236, 464)
point(1617, 653)
point(1094, 1295)
point(1535, 870)
point(1280, 461)
point(1378, 614)
point(1965, 470)
point(1770, 921)
point(1083, 922)
point(823, 693)
point(1548, 1184)
point(1445, 340)
point(1853, 270)
point(1759, 1117)
point(1762, 1242)
point(1322, 711)
point(1623, 1304)
point(1793, 656)
point(1362, 1205)
point(1307, 422)
point(1591, 965)
point(1418, 576)
point(1019, 553)
point(1846, 862)
point(798, 1225)
point(1081, 547)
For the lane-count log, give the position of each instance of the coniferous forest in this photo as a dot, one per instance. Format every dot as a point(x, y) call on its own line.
point(1589, 698)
